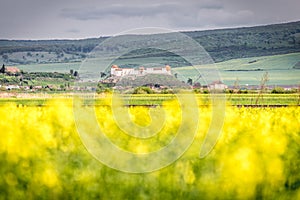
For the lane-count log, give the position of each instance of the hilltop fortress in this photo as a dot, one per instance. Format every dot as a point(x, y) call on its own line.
point(131, 76)
point(116, 71)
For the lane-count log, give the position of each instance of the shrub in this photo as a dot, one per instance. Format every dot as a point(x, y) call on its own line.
point(278, 90)
point(143, 90)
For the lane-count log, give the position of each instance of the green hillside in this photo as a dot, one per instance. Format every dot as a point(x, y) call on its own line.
point(282, 69)
point(248, 71)
point(222, 45)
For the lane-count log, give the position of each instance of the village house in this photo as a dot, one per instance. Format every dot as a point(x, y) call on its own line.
point(217, 85)
point(12, 87)
point(12, 70)
point(38, 87)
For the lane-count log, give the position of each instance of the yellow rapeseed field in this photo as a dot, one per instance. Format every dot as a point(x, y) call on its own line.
point(256, 157)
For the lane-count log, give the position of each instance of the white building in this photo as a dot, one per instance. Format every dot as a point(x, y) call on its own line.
point(12, 87)
point(217, 85)
point(116, 71)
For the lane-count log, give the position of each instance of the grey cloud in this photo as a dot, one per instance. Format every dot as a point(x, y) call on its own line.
point(129, 11)
point(38, 19)
point(73, 30)
point(116, 10)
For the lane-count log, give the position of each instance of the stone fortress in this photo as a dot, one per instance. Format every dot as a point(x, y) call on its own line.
point(116, 71)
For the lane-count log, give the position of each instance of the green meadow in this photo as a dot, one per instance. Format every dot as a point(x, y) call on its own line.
point(248, 71)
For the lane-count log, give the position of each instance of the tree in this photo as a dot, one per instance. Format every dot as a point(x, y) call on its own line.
point(102, 74)
point(71, 71)
point(143, 90)
point(264, 80)
point(236, 87)
point(277, 90)
point(5, 57)
point(2, 70)
point(190, 81)
point(62, 87)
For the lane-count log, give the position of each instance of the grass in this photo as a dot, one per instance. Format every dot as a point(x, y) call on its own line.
point(265, 99)
point(158, 99)
point(51, 67)
point(279, 67)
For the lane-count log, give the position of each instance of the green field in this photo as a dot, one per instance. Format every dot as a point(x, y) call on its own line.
point(158, 99)
point(247, 70)
point(235, 99)
point(250, 70)
point(53, 67)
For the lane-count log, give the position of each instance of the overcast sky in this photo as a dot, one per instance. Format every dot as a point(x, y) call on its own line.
point(58, 19)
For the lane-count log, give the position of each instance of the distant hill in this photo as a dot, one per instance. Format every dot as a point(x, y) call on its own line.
point(225, 44)
point(221, 44)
